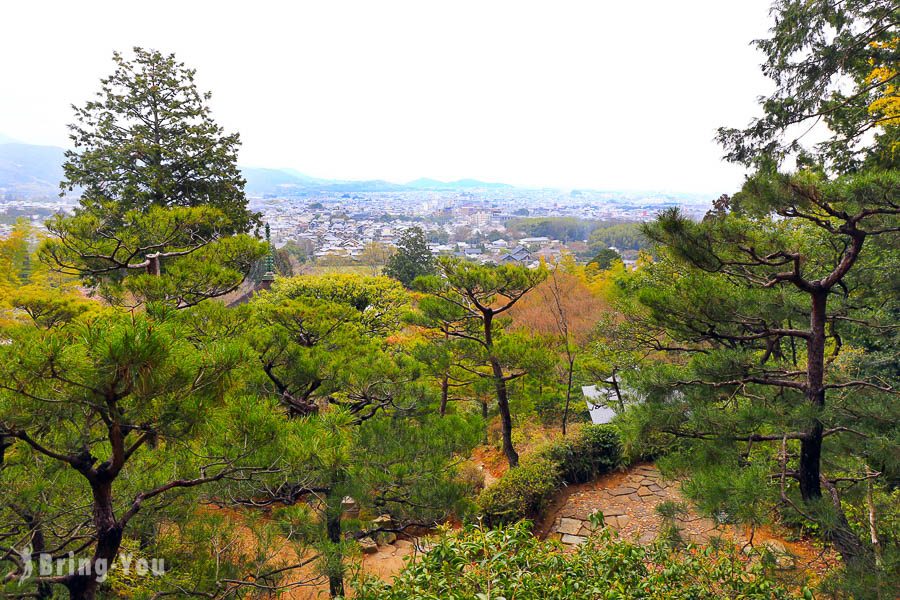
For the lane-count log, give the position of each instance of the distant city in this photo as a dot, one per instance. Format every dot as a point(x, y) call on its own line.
point(327, 218)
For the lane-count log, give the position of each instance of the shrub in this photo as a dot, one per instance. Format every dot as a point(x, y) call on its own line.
point(471, 477)
point(521, 493)
point(512, 563)
point(594, 450)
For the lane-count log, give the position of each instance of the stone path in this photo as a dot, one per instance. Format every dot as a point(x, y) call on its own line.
point(628, 502)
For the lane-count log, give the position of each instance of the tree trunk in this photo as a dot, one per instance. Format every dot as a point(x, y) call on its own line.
point(44, 590)
point(445, 392)
point(618, 391)
point(153, 267)
point(845, 540)
point(811, 444)
point(873, 530)
point(810, 459)
point(565, 419)
point(83, 586)
point(335, 580)
point(512, 457)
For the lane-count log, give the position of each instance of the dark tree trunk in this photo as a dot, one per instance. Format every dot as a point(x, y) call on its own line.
point(512, 457)
point(335, 580)
point(810, 458)
point(44, 590)
point(445, 393)
point(852, 549)
point(617, 390)
point(811, 444)
point(83, 586)
point(845, 541)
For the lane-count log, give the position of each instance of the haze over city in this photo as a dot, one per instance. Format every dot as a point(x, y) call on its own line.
point(567, 95)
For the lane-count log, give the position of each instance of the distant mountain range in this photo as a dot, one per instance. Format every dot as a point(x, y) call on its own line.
point(34, 172)
point(28, 171)
point(289, 182)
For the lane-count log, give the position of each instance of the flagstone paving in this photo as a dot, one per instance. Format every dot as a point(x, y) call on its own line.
point(629, 501)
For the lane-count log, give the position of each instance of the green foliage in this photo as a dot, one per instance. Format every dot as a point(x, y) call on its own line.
point(820, 55)
point(592, 451)
point(380, 301)
point(623, 236)
point(413, 258)
point(49, 308)
point(604, 258)
point(556, 228)
point(512, 563)
point(160, 255)
point(523, 492)
point(162, 216)
point(107, 414)
point(148, 140)
point(465, 305)
point(550, 407)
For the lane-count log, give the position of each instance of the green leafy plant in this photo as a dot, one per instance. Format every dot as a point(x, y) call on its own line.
point(512, 563)
point(594, 451)
point(523, 492)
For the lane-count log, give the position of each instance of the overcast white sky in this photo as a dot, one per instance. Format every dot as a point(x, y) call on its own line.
point(609, 95)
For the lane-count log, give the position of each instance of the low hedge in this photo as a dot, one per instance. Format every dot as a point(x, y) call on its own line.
point(521, 493)
point(595, 450)
point(524, 492)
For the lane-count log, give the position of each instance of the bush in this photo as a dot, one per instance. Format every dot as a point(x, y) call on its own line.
point(524, 492)
point(593, 451)
point(471, 477)
point(521, 493)
point(513, 563)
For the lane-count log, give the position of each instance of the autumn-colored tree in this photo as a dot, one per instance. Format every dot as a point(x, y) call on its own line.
point(376, 255)
point(562, 308)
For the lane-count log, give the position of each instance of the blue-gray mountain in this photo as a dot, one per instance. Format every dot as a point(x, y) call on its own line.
point(28, 171)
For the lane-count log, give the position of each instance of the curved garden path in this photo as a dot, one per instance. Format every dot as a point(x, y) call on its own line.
point(629, 500)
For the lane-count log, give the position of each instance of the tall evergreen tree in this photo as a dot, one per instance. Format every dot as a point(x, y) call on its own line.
point(162, 213)
point(764, 305)
point(412, 259)
point(148, 139)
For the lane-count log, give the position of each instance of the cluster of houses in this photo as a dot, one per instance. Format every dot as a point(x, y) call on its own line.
point(525, 251)
point(326, 236)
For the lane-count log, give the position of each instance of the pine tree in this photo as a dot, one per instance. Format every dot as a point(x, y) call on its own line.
point(162, 215)
point(466, 303)
point(763, 306)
